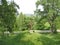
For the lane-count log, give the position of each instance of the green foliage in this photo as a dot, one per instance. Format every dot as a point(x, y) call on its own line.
point(23, 22)
point(40, 23)
point(36, 23)
point(7, 15)
point(58, 22)
point(50, 12)
point(47, 26)
point(31, 39)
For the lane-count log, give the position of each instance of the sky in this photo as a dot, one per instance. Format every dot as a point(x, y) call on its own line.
point(26, 6)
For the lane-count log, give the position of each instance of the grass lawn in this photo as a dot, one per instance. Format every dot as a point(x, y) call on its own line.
point(31, 39)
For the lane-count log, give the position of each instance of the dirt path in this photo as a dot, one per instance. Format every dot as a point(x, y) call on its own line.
point(42, 31)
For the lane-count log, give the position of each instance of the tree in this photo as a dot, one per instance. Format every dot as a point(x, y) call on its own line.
point(8, 13)
point(25, 22)
point(20, 21)
point(51, 9)
point(58, 22)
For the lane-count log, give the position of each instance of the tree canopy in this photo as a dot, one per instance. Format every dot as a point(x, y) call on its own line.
point(50, 12)
point(8, 15)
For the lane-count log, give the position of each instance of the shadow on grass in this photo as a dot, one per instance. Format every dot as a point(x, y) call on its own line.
point(32, 40)
point(48, 41)
point(15, 40)
point(28, 42)
point(56, 38)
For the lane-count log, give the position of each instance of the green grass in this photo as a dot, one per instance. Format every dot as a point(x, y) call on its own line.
point(31, 39)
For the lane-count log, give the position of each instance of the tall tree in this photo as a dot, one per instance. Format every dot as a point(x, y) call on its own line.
point(8, 14)
point(51, 9)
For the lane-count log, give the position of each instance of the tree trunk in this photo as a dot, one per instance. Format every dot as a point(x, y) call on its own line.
point(53, 28)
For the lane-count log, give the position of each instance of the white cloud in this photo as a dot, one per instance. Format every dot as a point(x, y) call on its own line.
point(26, 6)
